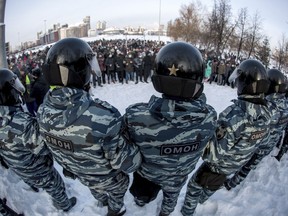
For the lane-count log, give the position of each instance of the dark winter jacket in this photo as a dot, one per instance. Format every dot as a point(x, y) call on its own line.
point(39, 88)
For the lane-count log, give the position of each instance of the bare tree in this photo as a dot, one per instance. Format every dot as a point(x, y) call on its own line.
point(280, 55)
point(187, 26)
point(242, 26)
point(255, 36)
point(3, 60)
point(219, 24)
point(209, 30)
point(263, 52)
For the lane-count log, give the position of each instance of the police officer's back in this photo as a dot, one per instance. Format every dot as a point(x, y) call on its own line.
point(279, 109)
point(173, 130)
point(241, 128)
point(84, 134)
point(19, 135)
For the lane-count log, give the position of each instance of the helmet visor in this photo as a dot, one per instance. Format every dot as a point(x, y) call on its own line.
point(94, 65)
point(16, 84)
point(235, 74)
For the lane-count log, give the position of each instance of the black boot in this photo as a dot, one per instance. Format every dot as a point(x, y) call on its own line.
point(3, 163)
point(73, 201)
point(35, 189)
point(280, 154)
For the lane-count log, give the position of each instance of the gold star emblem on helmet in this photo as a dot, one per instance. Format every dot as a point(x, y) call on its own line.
point(173, 70)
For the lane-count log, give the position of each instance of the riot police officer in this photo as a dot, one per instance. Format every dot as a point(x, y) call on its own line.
point(19, 134)
point(241, 128)
point(279, 108)
point(84, 134)
point(173, 130)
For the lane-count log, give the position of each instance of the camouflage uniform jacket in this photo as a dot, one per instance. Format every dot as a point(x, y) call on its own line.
point(242, 127)
point(19, 132)
point(84, 135)
point(279, 107)
point(171, 135)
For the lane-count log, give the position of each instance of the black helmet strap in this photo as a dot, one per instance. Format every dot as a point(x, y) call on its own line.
point(177, 87)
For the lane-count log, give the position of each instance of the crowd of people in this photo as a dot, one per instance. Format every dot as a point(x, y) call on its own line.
point(125, 61)
point(159, 141)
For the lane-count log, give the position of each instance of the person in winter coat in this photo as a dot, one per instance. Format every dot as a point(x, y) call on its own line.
point(27, 79)
point(85, 135)
point(101, 62)
point(214, 71)
point(129, 68)
point(39, 87)
point(208, 70)
point(19, 134)
point(110, 65)
point(138, 66)
point(171, 131)
point(279, 107)
point(147, 65)
point(241, 128)
point(120, 66)
point(221, 73)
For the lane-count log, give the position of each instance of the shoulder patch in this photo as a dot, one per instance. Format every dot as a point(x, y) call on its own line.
point(257, 135)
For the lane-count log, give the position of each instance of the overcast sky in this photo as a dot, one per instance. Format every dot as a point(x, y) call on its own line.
point(24, 18)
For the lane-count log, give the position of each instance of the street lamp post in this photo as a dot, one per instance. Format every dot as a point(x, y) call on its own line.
point(159, 24)
point(45, 41)
point(3, 60)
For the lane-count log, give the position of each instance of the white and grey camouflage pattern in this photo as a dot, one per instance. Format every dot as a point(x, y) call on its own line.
point(171, 136)
point(242, 128)
point(19, 133)
point(85, 137)
point(279, 108)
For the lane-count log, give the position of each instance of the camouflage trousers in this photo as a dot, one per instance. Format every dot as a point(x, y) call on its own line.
point(110, 191)
point(241, 174)
point(171, 193)
point(195, 194)
point(52, 183)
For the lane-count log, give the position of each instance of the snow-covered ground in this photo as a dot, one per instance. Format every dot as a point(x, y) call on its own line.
point(264, 192)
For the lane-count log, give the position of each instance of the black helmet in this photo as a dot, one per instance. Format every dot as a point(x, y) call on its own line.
point(278, 82)
point(250, 78)
point(11, 88)
point(69, 63)
point(179, 71)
